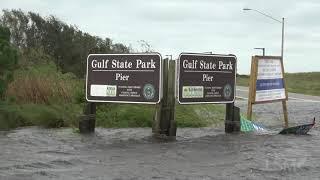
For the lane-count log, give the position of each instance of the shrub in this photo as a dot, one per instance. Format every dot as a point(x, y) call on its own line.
point(42, 85)
point(49, 116)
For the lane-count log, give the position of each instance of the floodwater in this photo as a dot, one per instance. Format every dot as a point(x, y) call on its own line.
point(198, 153)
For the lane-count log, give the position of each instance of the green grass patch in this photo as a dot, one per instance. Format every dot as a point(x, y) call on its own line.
point(199, 115)
point(49, 116)
point(134, 115)
point(124, 115)
point(108, 115)
point(243, 80)
point(303, 83)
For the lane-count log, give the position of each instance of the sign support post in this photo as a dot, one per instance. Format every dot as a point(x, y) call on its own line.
point(229, 118)
point(284, 102)
point(252, 88)
point(164, 124)
point(232, 119)
point(87, 121)
point(285, 113)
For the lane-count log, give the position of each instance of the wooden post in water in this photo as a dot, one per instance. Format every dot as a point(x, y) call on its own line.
point(236, 119)
point(232, 120)
point(172, 98)
point(284, 102)
point(252, 87)
point(87, 121)
point(229, 116)
point(164, 119)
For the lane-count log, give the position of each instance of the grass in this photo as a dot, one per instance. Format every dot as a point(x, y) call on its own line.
point(199, 115)
point(108, 115)
point(243, 80)
point(48, 116)
point(42, 85)
point(304, 83)
point(135, 115)
point(124, 115)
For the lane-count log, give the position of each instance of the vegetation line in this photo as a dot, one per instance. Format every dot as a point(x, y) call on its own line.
point(303, 83)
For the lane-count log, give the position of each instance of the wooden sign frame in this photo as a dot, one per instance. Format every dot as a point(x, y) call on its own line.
point(253, 84)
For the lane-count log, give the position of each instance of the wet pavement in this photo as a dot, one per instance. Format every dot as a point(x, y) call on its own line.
point(198, 153)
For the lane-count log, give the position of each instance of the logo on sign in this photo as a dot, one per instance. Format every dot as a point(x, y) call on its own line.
point(111, 91)
point(148, 91)
point(227, 91)
point(192, 91)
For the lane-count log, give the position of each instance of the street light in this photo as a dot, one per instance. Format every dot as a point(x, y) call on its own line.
point(263, 50)
point(284, 105)
point(282, 22)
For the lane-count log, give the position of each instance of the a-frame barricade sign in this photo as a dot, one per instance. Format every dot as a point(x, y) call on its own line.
point(267, 83)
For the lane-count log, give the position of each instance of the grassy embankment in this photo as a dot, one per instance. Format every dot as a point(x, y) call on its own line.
point(304, 83)
point(42, 96)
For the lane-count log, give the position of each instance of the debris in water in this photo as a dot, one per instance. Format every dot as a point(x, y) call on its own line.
point(300, 130)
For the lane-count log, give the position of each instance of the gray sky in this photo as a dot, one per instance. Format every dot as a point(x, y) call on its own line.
point(175, 26)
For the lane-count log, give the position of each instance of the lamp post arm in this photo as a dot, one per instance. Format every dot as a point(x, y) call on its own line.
point(266, 15)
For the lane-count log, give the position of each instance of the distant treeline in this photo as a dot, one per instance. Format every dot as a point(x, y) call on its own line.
point(67, 46)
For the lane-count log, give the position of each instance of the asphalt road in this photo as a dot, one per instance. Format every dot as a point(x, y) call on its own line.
point(242, 93)
point(301, 109)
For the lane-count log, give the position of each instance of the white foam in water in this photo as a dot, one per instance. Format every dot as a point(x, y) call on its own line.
point(261, 130)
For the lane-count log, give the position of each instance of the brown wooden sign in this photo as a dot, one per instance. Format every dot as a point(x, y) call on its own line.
point(206, 78)
point(124, 78)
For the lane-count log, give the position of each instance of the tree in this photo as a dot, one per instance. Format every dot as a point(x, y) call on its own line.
point(145, 46)
point(8, 60)
point(66, 44)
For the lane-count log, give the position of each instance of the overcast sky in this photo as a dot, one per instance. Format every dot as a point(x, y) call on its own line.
point(175, 26)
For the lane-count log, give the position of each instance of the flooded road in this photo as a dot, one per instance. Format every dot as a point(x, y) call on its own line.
point(198, 153)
